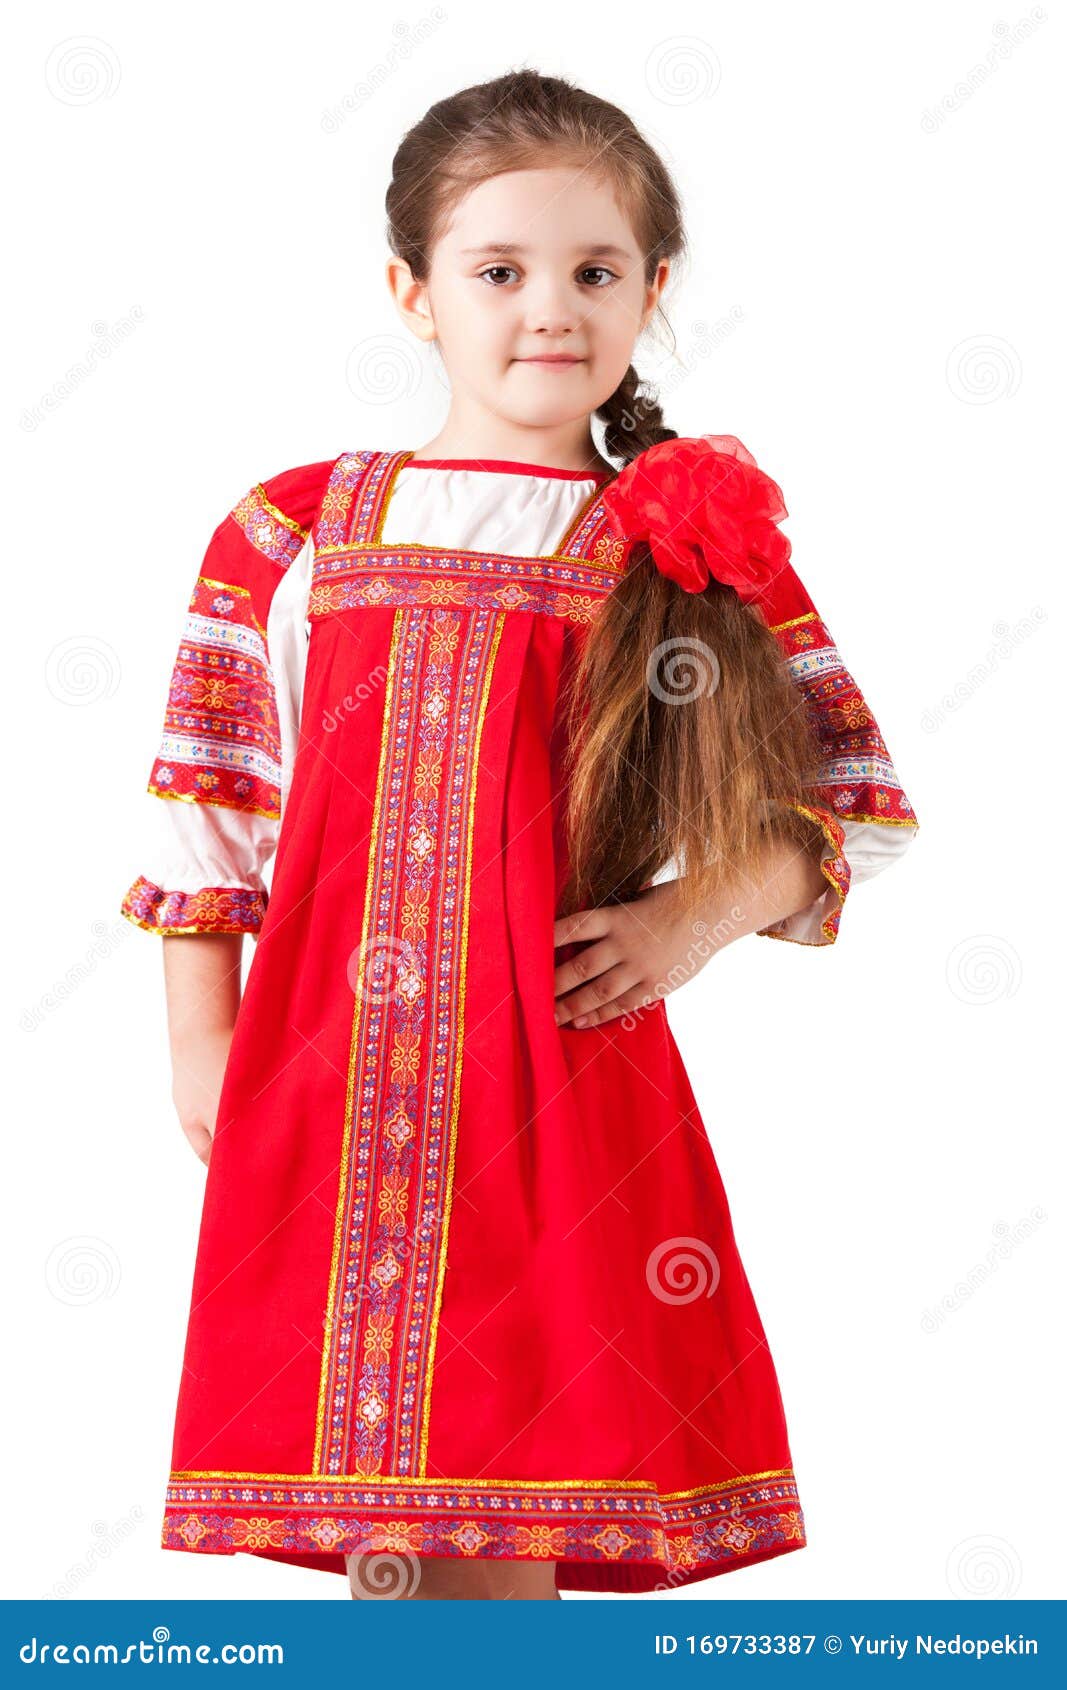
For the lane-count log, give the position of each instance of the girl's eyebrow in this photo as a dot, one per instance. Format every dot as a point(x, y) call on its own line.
point(601, 250)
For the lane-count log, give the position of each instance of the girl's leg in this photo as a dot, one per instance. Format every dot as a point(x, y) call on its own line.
point(444, 1578)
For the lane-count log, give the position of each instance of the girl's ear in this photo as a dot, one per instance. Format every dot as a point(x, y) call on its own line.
point(411, 297)
point(654, 292)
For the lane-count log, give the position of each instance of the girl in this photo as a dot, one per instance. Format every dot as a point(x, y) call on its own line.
point(533, 734)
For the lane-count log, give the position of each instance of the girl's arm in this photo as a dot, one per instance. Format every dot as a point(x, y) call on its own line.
point(860, 821)
point(223, 769)
point(860, 817)
point(229, 734)
point(787, 882)
point(639, 951)
point(202, 975)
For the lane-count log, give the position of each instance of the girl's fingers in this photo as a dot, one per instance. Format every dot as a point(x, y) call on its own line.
point(625, 1005)
point(585, 969)
point(582, 925)
point(591, 999)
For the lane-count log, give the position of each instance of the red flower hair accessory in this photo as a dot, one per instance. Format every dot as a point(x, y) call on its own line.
point(706, 509)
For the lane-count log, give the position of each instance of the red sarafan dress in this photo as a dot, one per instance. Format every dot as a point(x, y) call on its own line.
point(466, 1282)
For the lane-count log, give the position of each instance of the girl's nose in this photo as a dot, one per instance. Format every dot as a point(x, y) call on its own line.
point(549, 311)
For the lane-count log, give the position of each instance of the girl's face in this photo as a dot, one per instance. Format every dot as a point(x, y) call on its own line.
point(535, 264)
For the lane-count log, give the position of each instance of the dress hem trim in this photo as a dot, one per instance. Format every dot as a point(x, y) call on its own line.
point(605, 1535)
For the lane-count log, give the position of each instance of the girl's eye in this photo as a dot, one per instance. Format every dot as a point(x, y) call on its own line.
point(486, 273)
point(590, 269)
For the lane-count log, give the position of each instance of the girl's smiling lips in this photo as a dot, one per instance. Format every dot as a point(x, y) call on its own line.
point(560, 359)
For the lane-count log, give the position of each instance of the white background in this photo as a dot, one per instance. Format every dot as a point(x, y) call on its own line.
point(198, 301)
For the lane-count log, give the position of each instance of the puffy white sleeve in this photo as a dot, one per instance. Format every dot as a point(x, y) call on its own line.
point(224, 765)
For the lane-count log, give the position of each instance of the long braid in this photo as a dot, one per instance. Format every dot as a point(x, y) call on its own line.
point(633, 421)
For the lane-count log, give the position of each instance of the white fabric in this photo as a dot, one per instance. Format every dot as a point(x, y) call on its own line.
point(481, 510)
point(197, 845)
point(869, 848)
point(288, 630)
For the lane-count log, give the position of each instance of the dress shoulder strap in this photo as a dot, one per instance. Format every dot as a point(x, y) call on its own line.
point(353, 503)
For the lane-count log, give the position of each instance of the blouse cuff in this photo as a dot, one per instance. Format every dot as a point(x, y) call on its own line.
point(869, 845)
point(202, 869)
point(817, 923)
point(208, 909)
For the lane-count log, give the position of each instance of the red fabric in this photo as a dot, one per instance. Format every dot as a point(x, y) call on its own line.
point(297, 493)
point(706, 510)
point(466, 1282)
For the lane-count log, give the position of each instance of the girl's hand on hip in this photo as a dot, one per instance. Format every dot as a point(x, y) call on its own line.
point(634, 954)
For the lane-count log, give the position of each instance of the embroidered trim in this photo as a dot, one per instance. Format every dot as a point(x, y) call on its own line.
point(216, 802)
point(836, 871)
point(610, 1522)
point(494, 632)
point(213, 909)
point(331, 524)
point(273, 533)
point(406, 1050)
point(856, 772)
point(464, 580)
point(221, 740)
point(551, 1488)
point(883, 821)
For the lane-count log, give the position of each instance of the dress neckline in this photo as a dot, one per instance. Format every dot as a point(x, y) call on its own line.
point(509, 466)
point(377, 474)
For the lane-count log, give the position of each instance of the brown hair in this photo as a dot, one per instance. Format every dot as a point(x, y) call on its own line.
point(705, 773)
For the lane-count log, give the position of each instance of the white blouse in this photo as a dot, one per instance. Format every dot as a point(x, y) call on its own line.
point(522, 512)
